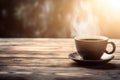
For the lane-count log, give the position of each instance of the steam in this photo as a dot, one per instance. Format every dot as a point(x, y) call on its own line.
point(83, 21)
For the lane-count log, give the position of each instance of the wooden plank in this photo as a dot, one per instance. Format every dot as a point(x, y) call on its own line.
point(33, 43)
point(48, 73)
point(41, 45)
point(36, 48)
point(37, 39)
point(41, 54)
point(43, 48)
point(35, 55)
point(42, 41)
point(33, 62)
point(15, 69)
point(62, 76)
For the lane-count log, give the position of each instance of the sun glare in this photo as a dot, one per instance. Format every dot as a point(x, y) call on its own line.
point(114, 4)
point(108, 6)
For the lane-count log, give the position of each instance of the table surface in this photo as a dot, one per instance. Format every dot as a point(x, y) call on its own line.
point(47, 59)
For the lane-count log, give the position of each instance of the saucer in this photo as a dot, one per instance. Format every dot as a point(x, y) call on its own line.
point(104, 59)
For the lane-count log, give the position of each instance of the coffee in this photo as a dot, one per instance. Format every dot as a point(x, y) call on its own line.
point(90, 39)
point(92, 47)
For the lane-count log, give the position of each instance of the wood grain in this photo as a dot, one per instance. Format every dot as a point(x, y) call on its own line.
point(47, 59)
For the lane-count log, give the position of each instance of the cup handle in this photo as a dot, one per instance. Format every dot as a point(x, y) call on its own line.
point(114, 47)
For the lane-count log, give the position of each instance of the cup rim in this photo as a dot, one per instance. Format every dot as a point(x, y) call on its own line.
point(80, 38)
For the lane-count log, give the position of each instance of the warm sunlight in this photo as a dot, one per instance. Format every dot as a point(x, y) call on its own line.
point(109, 16)
point(113, 5)
point(59, 18)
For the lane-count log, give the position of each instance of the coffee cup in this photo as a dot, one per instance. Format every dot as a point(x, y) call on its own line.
point(93, 47)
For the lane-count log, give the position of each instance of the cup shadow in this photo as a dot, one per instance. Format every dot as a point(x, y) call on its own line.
point(107, 66)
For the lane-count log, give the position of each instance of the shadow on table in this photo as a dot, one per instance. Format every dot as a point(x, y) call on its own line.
point(13, 78)
point(107, 66)
point(65, 76)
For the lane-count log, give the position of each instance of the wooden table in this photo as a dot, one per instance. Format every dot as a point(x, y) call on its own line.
point(47, 59)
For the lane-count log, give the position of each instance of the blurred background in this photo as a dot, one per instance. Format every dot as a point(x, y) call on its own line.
point(59, 18)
